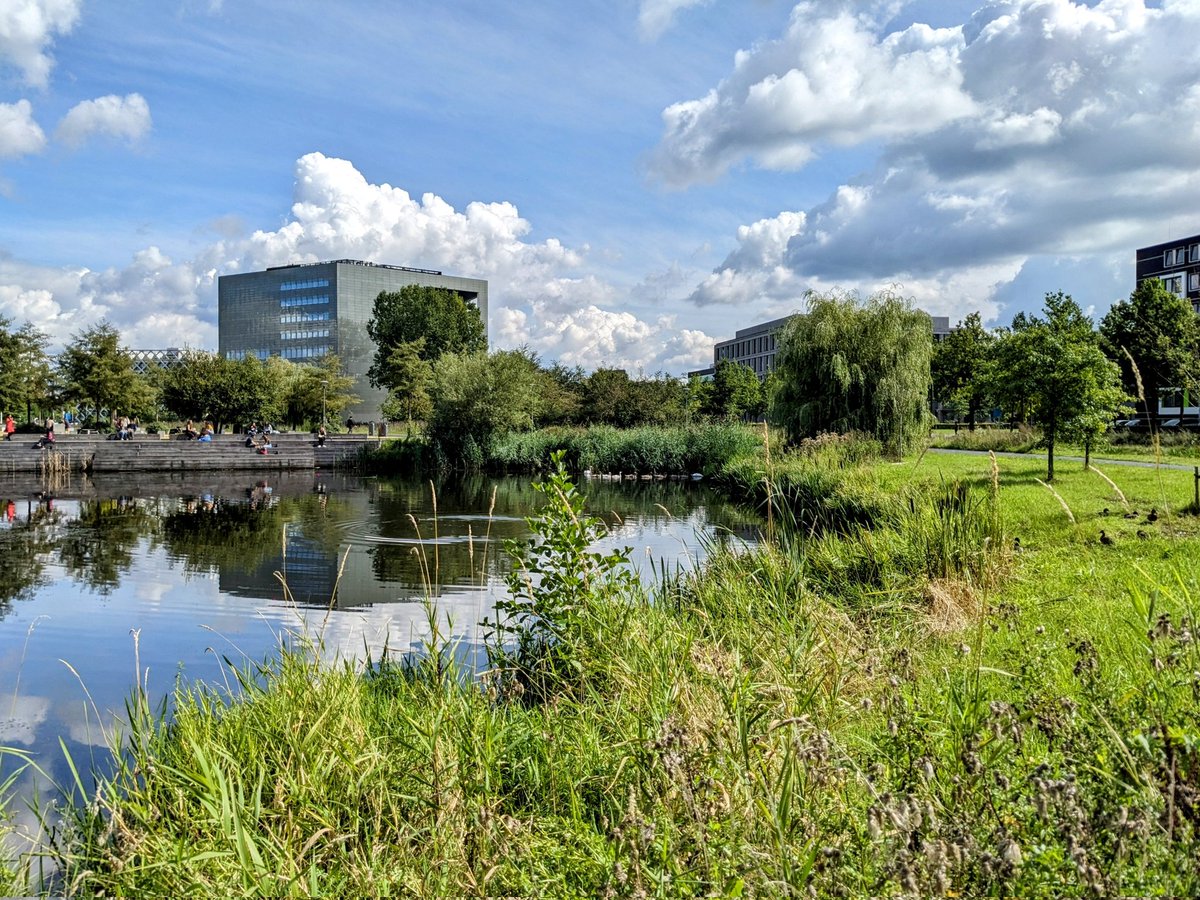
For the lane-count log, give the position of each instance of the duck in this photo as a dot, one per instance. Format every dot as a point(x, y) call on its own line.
point(1105, 539)
point(1153, 517)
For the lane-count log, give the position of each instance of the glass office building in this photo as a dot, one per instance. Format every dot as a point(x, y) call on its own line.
point(301, 312)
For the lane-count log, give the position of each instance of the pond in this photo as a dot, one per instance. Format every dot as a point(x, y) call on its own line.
point(154, 578)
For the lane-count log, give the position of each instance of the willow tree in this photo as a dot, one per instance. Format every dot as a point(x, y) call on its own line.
point(850, 364)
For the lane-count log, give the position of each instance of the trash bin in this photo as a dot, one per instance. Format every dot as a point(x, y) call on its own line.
point(370, 429)
point(383, 429)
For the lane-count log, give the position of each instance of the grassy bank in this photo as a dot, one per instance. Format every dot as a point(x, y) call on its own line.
point(935, 681)
point(1179, 447)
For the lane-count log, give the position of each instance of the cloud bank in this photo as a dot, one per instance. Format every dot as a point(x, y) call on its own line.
point(540, 296)
point(1037, 128)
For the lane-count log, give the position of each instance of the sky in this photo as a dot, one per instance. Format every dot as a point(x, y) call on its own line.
point(635, 178)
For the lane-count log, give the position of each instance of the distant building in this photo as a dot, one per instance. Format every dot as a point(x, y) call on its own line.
point(1176, 264)
point(756, 346)
point(145, 360)
point(302, 312)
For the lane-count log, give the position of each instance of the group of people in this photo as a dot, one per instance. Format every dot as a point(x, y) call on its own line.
point(124, 428)
point(204, 433)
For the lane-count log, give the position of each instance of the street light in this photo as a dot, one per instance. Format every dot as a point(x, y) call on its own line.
point(324, 385)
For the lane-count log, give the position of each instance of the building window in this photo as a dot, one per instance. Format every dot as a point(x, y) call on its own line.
point(293, 318)
point(1194, 253)
point(1194, 281)
point(1173, 283)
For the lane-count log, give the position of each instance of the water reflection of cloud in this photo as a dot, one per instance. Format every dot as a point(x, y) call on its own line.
point(20, 720)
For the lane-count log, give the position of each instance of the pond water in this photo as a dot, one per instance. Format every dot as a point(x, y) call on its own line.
point(102, 582)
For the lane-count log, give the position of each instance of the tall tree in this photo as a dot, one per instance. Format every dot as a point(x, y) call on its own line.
point(736, 392)
point(442, 318)
point(855, 365)
point(1160, 331)
point(1053, 366)
point(959, 367)
point(96, 370)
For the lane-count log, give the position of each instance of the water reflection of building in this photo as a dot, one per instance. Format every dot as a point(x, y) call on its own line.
point(307, 568)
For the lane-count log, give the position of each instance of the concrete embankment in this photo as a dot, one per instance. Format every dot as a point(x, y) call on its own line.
point(152, 453)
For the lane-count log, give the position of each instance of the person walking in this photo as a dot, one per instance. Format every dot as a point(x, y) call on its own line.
point(9, 427)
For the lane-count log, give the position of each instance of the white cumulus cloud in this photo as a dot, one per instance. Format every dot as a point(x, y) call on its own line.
point(20, 135)
point(540, 294)
point(831, 79)
point(125, 117)
point(656, 16)
point(27, 29)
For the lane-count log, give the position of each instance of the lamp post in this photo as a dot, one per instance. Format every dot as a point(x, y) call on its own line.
point(324, 386)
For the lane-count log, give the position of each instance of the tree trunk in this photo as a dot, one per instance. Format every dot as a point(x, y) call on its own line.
point(1049, 433)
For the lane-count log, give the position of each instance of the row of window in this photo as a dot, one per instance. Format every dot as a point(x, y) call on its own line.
point(764, 344)
point(304, 352)
point(316, 300)
point(242, 354)
point(301, 285)
point(293, 318)
point(1181, 256)
point(304, 335)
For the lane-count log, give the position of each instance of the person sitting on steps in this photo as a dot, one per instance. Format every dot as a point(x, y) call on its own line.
point(46, 440)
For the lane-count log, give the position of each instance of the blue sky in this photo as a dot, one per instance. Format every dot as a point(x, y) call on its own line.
point(635, 179)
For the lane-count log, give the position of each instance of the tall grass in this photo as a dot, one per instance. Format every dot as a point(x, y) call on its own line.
point(649, 450)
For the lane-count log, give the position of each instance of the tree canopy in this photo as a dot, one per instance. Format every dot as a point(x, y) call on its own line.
point(94, 369)
point(1158, 332)
point(959, 364)
point(441, 318)
point(736, 392)
point(855, 365)
point(1051, 366)
point(24, 368)
point(477, 396)
point(206, 386)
